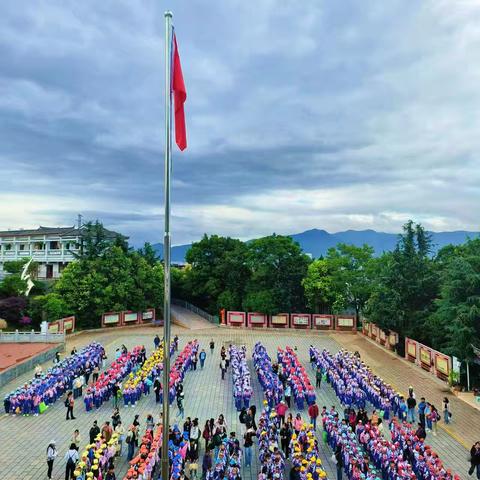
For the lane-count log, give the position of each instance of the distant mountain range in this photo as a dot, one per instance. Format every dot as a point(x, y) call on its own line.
point(316, 242)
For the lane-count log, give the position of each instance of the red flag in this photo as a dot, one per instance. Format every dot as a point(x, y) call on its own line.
point(179, 97)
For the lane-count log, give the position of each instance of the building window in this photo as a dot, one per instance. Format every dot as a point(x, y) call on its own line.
point(38, 246)
point(54, 245)
point(22, 246)
point(8, 246)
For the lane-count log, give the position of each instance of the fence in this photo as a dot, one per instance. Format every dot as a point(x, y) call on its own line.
point(194, 309)
point(31, 337)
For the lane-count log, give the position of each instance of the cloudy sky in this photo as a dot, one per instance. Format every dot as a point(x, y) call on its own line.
point(334, 115)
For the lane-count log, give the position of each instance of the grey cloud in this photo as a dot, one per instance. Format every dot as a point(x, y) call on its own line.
point(337, 95)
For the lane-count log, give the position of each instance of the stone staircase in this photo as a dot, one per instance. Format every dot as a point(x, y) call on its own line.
point(187, 319)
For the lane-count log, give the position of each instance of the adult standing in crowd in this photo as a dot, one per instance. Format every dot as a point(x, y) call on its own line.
point(446, 411)
point(157, 388)
point(107, 431)
point(247, 445)
point(475, 459)
point(115, 418)
point(156, 341)
point(223, 367)
point(421, 411)
point(69, 403)
point(288, 394)
point(76, 438)
point(131, 440)
point(411, 404)
point(339, 460)
point(202, 358)
point(313, 412)
point(212, 346)
point(207, 433)
point(51, 455)
point(120, 430)
point(71, 458)
point(94, 431)
point(318, 377)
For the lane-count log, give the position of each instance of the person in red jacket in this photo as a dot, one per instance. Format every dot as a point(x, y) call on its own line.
point(281, 410)
point(313, 414)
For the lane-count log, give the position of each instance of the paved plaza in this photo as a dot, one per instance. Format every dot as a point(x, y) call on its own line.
point(24, 439)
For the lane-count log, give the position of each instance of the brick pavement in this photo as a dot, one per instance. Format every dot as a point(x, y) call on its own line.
point(24, 440)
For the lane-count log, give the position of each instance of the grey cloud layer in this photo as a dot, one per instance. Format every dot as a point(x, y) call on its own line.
point(356, 115)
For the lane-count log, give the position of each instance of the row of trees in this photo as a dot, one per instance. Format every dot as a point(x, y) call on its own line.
point(432, 298)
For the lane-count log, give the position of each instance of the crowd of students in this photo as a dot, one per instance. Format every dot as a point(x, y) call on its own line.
point(96, 460)
point(242, 384)
point(142, 381)
point(273, 388)
point(177, 373)
point(108, 382)
point(145, 463)
point(44, 390)
point(407, 454)
point(302, 389)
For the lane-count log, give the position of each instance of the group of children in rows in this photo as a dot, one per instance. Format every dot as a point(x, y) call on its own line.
point(43, 390)
point(406, 456)
point(108, 382)
point(273, 388)
point(140, 381)
point(242, 382)
point(297, 377)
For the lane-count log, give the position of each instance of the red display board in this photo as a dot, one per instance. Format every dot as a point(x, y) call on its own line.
point(112, 319)
point(55, 327)
point(68, 324)
point(425, 358)
point(255, 319)
point(410, 350)
point(129, 318)
point(279, 321)
point(373, 331)
point(236, 319)
point(345, 323)
point(442, 365)
point(300, 320)
point(392, 340)
point(323, 322)
point(147, 316)
point(383, 338)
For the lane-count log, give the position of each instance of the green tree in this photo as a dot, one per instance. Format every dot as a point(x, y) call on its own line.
point(278, 266)
point(48, 307)
point(407, 284)
point(149, 254)
point(118, 280)
point(96, 240)
point(319, 288)
point(218, 272)
point(12, 286)
point(352, 270)
point(455, 325)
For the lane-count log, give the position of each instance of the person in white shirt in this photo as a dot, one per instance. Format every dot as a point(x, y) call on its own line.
point(72, 458)
point(120, 429)
point(51, 454)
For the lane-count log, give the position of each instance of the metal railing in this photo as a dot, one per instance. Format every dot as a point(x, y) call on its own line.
point(31, 337)
point(192, 308)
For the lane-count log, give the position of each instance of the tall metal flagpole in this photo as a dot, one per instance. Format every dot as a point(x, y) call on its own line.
point(166, 246)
